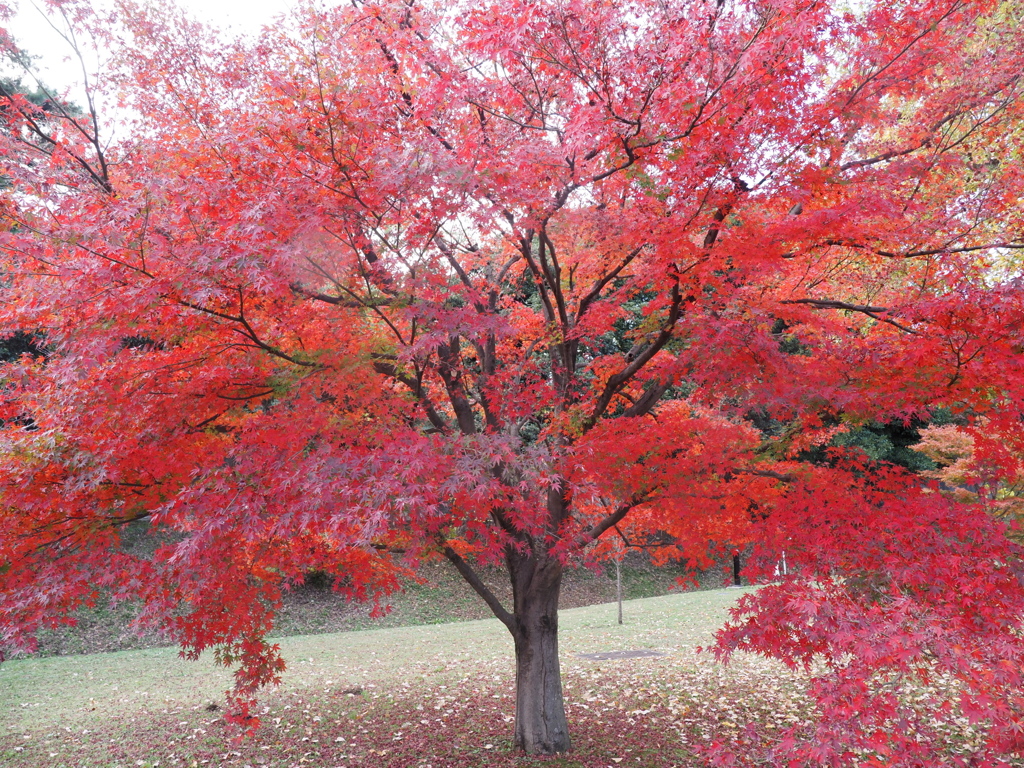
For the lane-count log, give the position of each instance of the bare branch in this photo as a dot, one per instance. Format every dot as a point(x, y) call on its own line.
point(481, 589)
point(599, 286)
point(636, 545)
point(870, 311)
point(339, 301)
point(249, 333)
point(884, 156)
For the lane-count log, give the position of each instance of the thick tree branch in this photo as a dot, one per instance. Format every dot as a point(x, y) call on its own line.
point(652, 394)
point(481, 589)
point(448, 355)
point(554, 272)
point(450, 257)
point(338, 301)
point(1010, 244)
point(595, 291)
point(635, 545)
point(415, 385)
point(249, 333)
point(526, 249)
point(610, 521)
point(873, 312)
point(884, 156)
point(723, 210)
point(618, 380)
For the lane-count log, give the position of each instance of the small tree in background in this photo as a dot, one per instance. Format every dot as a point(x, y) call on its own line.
point(974, 464)
point(495, 284)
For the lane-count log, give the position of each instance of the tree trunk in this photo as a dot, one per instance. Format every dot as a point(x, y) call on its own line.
point(541, 727)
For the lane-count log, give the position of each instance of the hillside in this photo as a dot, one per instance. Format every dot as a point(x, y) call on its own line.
point(440, 597)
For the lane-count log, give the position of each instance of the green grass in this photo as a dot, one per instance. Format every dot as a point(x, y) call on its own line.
point(427, 696)
point(430, 696)
point(121, 708)
point(37, 694)
point(441, 596)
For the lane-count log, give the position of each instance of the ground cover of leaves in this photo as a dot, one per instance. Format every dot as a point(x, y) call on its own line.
point(437, 696)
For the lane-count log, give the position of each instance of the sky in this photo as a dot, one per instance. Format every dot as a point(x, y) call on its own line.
point(35, 36)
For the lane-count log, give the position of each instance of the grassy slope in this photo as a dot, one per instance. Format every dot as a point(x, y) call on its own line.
point(120, 708)
point(440, 597)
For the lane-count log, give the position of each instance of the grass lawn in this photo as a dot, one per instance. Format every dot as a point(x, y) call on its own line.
point(430, 695)
point(438, 596)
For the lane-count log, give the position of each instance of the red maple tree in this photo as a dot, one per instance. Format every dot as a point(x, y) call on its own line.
point(501, 282)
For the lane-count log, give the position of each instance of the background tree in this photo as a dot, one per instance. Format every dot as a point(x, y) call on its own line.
point(497, 283)
point(974, 464)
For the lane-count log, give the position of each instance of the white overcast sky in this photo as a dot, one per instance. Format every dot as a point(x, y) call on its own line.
point(36, 37)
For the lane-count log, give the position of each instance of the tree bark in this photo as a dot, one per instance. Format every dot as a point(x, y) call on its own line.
point(541, 726)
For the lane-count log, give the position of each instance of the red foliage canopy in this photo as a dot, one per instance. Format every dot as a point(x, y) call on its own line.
point(508, 280)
